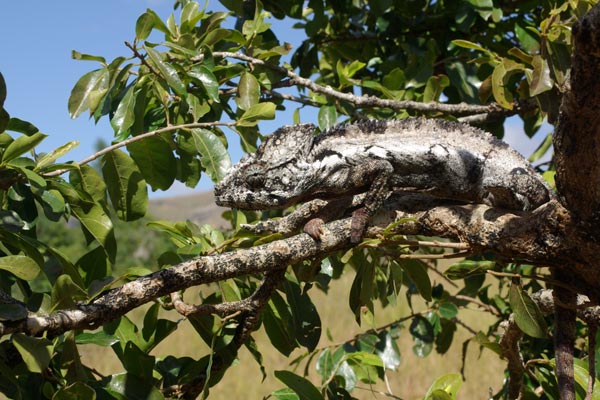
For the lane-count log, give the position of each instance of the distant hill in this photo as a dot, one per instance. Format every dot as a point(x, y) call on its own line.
point(199, 208)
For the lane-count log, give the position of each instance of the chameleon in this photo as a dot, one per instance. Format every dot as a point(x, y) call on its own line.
point(375, 157)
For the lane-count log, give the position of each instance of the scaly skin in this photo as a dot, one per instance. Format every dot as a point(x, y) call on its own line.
point(444, 159)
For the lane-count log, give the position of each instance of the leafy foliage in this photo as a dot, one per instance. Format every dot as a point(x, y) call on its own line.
point(167, 102)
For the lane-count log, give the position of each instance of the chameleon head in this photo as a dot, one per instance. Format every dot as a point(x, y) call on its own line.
point(274, 176)
point(259, 186)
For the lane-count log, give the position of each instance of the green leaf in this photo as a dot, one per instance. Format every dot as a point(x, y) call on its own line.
point(4, 119)
point(542, 148)
point(361, 291)
point(468, 45)
point(12, 312)
point(365, 358)
point(521, 55)
point(52, 203)
point(423, 335)
point(278, 323)
point(84, 90)
point(167, 71)
point(448, 310)
point(468, 268)
point(87, 179)
point(500, 78)
point(387, 349)
point(528, 40)
point(36, 352)
point(354, 369)
point(444, 339)
point(307, 323)
point(213, 154)
point(248, 91)
point(208, 79)
point(285, 394)
point(91, 215)
point(143, 26)
point(21, 266)
point(257, 112)
point(434, 88)
point(190, 14)
point(66, 293)
point(126, 186)
point(2, 90)
point(302, 387)
point(216, 36)
point(327, 117)
point(75, 55)
point(99, 338)
point(449, 383)
point(130, 387)
point(21, 145)
point(137, 362)
point(528, 316)
point(124, 117)
point(483, 340)
point(421, 329)
point(438, 394)
point(52, 156)
point(582, 376)
point(417, 271)
point(75, 391)
point(155, 160)
point(540, 80)
point(325, 364)
point(18, 125)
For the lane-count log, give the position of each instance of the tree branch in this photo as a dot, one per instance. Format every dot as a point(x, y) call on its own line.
point(515, 236)
point(142, 136)
point(511, 351)
point(369, 101)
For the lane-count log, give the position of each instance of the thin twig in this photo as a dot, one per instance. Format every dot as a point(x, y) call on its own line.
point(372, 331)
point(486, 307)
point(137, 54)
point(367, 101)
point(425, 243)
point(285, 96)
point(509, 342)
point(143, 136)
point(535, 277)
point(443, 256)
point(464, 325)
point(370, 389)
point(433, 268)
point(227, 310)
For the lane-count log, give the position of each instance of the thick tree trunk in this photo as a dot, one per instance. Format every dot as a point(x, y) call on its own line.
point(577, 137)
point(577, 154)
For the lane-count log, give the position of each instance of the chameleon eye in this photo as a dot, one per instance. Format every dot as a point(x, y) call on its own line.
point(256, 180)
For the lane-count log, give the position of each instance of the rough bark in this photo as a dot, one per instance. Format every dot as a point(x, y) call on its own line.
point(577, 151)
point(577, 137)
point(539, 237)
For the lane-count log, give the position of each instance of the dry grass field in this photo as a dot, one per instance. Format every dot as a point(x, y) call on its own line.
point(484, 370)
point(411, 381)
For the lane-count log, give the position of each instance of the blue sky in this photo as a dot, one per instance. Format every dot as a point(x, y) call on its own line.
point(37, 39)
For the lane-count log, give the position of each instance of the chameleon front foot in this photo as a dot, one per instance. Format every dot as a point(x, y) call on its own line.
point(314, 228)
point(360, 217)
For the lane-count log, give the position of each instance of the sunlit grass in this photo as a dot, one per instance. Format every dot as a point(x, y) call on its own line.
point(484, 370)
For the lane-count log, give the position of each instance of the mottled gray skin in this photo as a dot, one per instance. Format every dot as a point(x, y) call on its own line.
point(445, 159)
